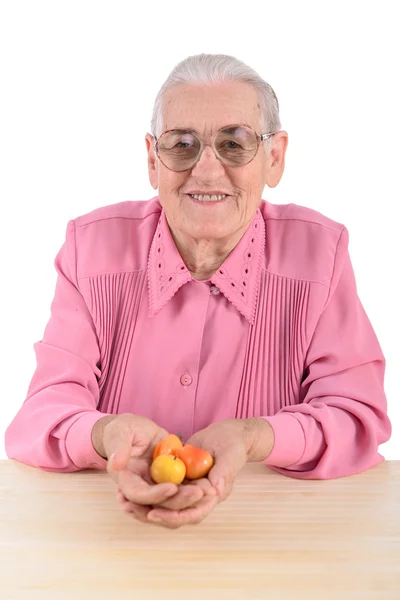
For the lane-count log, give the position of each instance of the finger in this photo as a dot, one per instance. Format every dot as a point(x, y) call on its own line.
point(204, 484)
point(137, 490)
point(119, 459)
point(136, 510)
point(222, 484)
point(189, 494)
point(189, 516)
point(222, 475)
point(186, 496)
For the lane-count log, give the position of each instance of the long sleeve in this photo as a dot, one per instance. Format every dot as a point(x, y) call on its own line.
point(52, 429)
point(341, 419)
point(131, 331)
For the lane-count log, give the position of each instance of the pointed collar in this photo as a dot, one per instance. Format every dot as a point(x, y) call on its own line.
point(238, 277)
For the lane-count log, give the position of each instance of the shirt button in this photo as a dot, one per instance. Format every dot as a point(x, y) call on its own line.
point(186, 379)
point(214, 290)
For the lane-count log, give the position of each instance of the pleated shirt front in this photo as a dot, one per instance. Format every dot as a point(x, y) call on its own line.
point(277, 332)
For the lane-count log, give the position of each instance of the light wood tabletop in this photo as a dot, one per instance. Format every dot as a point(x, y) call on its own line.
point(64, 536)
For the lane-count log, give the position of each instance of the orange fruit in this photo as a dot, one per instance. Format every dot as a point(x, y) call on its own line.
point(197, 461)
point(168, 445)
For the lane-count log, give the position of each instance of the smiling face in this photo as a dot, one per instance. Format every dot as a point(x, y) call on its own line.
point(205, 109)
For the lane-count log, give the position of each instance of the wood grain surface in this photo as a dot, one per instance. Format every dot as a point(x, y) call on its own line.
point(64, 536)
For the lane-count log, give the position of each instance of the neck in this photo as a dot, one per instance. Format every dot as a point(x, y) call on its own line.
point(204, 257)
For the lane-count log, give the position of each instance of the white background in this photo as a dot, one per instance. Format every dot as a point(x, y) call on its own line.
point(78, 81)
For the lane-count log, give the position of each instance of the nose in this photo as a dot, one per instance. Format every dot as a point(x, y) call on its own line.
point(208, 165)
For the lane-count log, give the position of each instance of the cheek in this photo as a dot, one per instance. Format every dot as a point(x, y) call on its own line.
point(169, 191)
point(174, 179)
point(249, 180)
point(171, 185)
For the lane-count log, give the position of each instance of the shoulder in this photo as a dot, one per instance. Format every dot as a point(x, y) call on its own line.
point(295, 213)
point(129, 210)
point(115, 238)
point(301, 242)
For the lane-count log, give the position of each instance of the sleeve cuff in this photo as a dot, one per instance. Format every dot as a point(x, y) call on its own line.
point(79, 445)
point(289, 442)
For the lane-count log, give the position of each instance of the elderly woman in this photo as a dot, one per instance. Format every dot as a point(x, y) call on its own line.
point(205, 310)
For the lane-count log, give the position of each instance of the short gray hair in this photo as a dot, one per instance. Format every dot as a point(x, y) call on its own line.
point(217, 68)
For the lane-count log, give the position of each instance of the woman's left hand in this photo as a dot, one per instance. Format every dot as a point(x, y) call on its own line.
point(232, 443)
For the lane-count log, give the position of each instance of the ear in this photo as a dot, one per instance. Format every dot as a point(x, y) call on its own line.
point(152, 161)
point(276, 158)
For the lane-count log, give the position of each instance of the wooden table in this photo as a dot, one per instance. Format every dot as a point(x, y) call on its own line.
point(63, 536)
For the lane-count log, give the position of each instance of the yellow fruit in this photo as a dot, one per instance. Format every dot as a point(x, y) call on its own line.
point(167, 468)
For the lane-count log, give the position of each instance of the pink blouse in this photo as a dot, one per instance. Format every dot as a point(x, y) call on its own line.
point(278, 332)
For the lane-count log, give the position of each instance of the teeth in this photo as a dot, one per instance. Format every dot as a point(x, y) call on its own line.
point(207, 198)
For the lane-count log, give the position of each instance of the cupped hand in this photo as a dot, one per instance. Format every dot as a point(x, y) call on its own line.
point(193, 501)
point(232, 443)
point(228, 442)
point(129, 441)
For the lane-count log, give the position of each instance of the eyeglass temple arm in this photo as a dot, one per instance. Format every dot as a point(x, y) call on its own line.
point(264, 136)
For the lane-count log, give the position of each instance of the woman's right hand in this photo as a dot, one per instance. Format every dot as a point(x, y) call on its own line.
point(129, 441)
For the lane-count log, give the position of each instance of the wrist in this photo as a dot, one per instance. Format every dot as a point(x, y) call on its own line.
point(259, 439)
point(98, 434)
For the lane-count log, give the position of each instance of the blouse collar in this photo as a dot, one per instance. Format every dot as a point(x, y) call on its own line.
point(238, 277)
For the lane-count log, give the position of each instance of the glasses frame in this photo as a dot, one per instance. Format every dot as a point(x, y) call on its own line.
point(261, 137)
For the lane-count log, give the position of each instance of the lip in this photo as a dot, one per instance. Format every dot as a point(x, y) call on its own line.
point(210, 202)
point(209, 193)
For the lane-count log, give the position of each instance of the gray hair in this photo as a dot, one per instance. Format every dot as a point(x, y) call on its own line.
point(217, 68)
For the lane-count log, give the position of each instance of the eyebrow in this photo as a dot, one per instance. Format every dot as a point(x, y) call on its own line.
point(229, 128)
point(183, 129)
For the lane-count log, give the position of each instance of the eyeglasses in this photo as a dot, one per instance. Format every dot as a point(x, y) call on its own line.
point(234, 146)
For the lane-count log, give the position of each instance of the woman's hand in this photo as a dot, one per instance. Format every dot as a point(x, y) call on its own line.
point(232, 443)
point(129, 441)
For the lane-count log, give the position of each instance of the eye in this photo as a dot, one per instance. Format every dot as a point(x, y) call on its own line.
point(230, 144)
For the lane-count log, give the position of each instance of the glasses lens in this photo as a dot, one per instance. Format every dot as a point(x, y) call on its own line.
point(236, 146)
point(178, 150)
